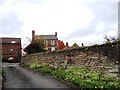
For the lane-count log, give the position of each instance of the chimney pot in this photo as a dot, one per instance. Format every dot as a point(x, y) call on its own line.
point(55, 33)
point(67, 44)
point(33, 35)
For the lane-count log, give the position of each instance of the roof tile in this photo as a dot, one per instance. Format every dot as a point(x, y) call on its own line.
point(52, 37)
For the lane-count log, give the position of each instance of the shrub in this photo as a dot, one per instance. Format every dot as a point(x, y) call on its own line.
point(82, 77)
point(35, 46)
point(35, 65)
point(59, 73)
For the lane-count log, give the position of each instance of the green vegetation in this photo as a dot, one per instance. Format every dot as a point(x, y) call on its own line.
point(0, 71)
point(41, 67)
point(82, 77)
point(36, 46)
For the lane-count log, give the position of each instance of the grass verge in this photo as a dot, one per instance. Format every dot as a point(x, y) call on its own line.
point(82, 77)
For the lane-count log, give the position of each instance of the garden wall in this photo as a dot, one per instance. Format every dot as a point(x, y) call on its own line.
point(103, 57)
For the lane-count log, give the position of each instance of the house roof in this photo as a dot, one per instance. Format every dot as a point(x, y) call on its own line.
point(51, 37)
point(10, 40)
point(74, 46)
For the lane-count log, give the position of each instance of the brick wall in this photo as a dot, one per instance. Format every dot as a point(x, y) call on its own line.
point(15, 52)
point(6, 48)
point(55, 43)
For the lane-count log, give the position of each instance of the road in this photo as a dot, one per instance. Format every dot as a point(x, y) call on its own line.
point(19, 77)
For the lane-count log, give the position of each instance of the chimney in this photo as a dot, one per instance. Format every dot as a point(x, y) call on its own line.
point(55, 33)
point(33, 35)
point(67, 44)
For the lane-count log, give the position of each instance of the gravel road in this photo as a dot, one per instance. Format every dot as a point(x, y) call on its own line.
point(19, 77)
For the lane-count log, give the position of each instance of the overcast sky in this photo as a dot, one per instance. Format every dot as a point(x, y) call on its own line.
point(75, 21)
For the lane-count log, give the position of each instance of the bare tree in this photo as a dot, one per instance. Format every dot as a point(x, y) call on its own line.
point(110, 39)
point(27, 41)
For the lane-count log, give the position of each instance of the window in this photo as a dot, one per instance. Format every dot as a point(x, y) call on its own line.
point(11, 49)
point(13, 41)
point(52, 42)
point(52, 48)
point(49, 49)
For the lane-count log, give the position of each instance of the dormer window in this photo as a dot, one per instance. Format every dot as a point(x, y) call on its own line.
point(13, 41)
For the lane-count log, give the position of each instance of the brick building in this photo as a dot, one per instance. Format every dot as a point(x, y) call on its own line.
point(50, 40)
point(11, 48)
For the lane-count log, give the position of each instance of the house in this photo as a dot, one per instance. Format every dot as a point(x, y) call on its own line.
point(74, 46)
point(66, 46)
point(50, 40)
point(11, 49)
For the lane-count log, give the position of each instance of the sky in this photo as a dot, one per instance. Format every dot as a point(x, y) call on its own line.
point(75, 21)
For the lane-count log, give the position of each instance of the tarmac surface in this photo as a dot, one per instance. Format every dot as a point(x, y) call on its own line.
point(16, 76)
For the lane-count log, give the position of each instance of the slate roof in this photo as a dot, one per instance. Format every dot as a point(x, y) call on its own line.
point(48, 37)
point(10, 40)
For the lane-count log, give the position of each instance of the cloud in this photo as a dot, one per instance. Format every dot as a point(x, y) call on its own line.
point(48, 18)
point(36, 1)
point(10, 23)
point(105, 20)
point(24, 1)
point(2, 2)
point(74, 20)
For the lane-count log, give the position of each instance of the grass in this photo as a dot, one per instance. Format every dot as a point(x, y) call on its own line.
point(82, 77)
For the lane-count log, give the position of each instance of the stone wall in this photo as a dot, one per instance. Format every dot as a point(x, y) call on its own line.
point(103, 57)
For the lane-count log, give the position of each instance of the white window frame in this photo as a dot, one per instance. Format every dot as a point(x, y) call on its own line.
point(52, 42)
point(52, 48)
point(11, 50)
point(13, 41)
